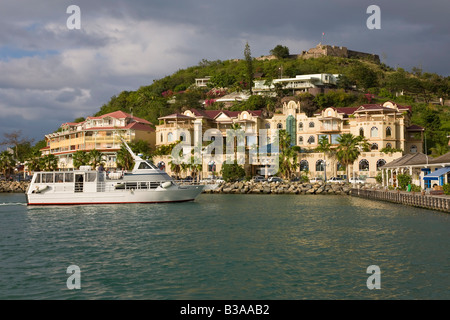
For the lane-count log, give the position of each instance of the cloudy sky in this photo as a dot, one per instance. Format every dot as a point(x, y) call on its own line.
point(50, 74)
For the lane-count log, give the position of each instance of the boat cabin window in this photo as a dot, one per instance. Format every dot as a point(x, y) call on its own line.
point(69, 177)
point(47, 178)
point(38, 178)
point(91, 176)
point(144, 165)
point(59, 177)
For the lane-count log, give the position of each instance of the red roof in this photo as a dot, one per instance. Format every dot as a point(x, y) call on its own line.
point(212, 114)
point(415, 127)
point(121, 115)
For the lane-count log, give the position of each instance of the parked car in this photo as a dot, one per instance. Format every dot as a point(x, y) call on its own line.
point(275, 179)
point(357, 180)
point(314, 180)
point(259, 179)
point(336, 180)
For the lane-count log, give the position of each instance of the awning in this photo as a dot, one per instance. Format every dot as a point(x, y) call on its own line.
point(436, 174)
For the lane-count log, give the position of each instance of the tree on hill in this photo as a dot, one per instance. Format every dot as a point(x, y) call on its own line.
point(281, 52)
point(249, 63)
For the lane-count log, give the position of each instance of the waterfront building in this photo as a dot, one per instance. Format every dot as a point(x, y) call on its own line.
point(384, 126)
point(425, 171)
point(102, 133)
point(176, 127)
point(313, 83)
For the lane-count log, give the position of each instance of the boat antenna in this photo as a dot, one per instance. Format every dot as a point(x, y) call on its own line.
point(135, 157)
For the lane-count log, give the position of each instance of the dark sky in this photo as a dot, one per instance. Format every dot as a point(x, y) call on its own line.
point(50, 74)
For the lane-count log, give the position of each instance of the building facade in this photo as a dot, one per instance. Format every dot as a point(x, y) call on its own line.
point(383, 126)
point(102, 133)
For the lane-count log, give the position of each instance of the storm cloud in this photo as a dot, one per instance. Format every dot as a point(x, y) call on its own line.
point(50, 74)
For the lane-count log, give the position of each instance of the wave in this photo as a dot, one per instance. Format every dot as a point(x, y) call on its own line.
point(13, 204)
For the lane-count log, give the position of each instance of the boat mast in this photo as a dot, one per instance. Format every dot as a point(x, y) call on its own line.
point(135, 157)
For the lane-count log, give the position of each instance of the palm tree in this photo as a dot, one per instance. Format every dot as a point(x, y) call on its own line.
point(95, 158)
point(195, 167)
point(349, 149)
point(175, 168)
point(288, 163)
point(324, 146)
point(49, 162)
point(124, 158)
point(34, 161)
point(7, 163)
point(80, 158)
point(439, 150)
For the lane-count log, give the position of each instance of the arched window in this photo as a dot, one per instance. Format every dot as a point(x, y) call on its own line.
point(300, 141)
point(311, 140)
point(374, 146)
point(388, 145)
point(300, 126)
point(280, 126)
point(161, 138)
point(413, 149)
point(388, 132)
point(170, 137)
point(267, 125)
point(364, 165)
point(320, 165)
point(374, 132)
point(182, 137)
point(311, 124)
point(304, 165)
point(380, 163)
point(361, 132)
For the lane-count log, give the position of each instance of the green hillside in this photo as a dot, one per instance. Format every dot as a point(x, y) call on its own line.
point(362, 81)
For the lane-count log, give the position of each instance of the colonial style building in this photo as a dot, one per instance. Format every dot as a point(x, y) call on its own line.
point(101, 133)
point(384, 126)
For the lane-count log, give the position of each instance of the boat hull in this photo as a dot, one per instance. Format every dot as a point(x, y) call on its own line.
point(160, 195)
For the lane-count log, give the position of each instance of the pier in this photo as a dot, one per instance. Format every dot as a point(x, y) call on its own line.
point(415, 199)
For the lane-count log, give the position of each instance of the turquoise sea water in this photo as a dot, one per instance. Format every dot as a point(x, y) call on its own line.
point(268, 247)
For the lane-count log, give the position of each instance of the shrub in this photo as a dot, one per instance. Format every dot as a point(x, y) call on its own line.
point(447, 188)
point(232, 172)
point(404, 180)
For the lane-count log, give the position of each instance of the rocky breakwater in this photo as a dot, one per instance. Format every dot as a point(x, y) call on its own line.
point(250, 187)
point(14, 186)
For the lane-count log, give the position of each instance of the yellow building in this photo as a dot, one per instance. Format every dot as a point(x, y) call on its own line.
point(385, 125)
point(101, 133)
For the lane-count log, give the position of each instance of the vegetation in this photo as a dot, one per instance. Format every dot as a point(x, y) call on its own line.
point(288, 162)
point(281, 52)
point(403, 181)
point(7, 163)
point(232, 172)
point(447, 188)
point(349, 149)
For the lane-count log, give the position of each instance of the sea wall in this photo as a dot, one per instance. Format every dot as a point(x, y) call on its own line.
point(415, 199)
point(250, 187)
point(14, 186)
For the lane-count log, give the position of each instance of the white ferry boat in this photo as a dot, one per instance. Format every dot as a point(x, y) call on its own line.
point(145, 184)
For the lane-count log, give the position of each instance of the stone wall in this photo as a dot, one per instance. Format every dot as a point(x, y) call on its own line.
point(13, 186)
point(250, 187)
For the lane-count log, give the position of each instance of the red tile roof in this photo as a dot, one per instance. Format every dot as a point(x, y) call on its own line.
point(120, 115)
